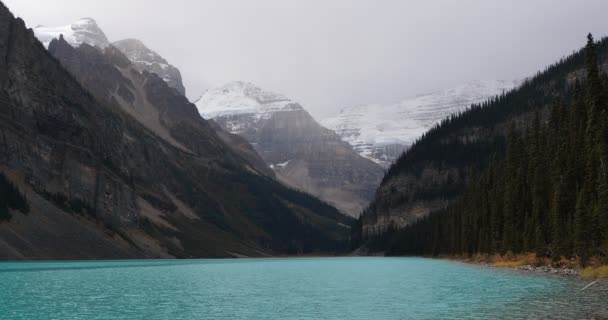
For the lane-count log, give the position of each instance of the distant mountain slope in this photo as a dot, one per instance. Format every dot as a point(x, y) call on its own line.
point(103, 182)
point(303, 154)
point(439, 166)
point(87, 31)
point(382, 132)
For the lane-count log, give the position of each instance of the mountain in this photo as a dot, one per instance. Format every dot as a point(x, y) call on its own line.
point(548, 195)
point(302, 153)
point(382, 132)
point(87, 31)
point(82, 31)
point(148, 60)
point(129, 169)
point(439, 166)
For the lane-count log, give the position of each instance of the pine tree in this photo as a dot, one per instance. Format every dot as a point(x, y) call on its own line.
point(601, 209)
point(510, 194)
point(557, 219)
point(581, 226)
point(594, 82)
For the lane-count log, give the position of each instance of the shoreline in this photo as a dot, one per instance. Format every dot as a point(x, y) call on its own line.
point(530, 264)
point(528, 268)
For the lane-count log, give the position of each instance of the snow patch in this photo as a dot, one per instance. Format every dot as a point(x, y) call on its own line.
point(238, 98)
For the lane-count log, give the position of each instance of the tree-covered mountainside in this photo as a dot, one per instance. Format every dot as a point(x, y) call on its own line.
point(444, 161)
point(549, 195)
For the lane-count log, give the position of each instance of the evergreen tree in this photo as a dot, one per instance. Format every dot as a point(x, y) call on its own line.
point(593, 75)
point(581, 226)
point(10, 198)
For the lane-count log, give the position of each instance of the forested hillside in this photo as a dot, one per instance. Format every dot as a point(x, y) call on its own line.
point(439, 167)
point(548, 195)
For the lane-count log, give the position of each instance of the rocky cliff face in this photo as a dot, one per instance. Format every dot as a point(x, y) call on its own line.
point(86, 31)
point(145, 59)
point(303, 154)
point(129, 168)
point(382, 132)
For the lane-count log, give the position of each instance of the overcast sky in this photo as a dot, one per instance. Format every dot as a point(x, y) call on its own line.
point(328, 54)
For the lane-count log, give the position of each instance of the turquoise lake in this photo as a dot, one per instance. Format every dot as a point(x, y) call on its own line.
point(315, 288)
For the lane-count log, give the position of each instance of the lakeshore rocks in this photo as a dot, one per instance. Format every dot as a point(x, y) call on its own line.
point(549, 269)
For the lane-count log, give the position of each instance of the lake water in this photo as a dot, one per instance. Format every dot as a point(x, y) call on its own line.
point(323, 288)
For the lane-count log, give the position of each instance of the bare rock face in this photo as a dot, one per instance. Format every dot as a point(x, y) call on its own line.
point(132, 154)
point(303, 154)
point(148, 60)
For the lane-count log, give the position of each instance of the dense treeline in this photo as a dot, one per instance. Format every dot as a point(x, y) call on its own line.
point(548, 195)
point(10, 198)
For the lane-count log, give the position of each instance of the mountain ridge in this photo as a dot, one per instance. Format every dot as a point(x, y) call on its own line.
point(303, 154)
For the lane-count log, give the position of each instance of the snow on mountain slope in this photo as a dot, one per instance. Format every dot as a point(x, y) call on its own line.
point(242, 98)
point(382, 132)
point(82, 31)
point(302, 153)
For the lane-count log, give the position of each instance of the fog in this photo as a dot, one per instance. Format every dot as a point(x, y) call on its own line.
point(332, 54)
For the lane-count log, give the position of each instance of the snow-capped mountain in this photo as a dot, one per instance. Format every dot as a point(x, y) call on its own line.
point(84, 30)
point(87, 31)
point(302, 153)
point(145, 59)
point(382, 132)
point(242, 98)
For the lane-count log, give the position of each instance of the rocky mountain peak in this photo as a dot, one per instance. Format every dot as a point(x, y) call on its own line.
point(243, 98)
point(145, 59)
point(84, 30)
point(87, 31)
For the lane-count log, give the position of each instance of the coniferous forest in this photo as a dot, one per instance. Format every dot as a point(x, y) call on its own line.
point(10, 198)
point(548, 194)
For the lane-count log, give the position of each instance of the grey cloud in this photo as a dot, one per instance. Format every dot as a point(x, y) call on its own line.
point(331, 54)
